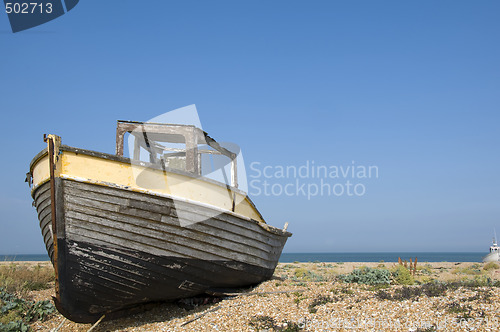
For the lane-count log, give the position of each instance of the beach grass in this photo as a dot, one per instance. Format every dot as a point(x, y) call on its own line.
point(21, 278)
point(21, 301)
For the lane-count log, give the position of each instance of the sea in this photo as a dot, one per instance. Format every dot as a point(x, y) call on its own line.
point(28, 258)
point(333, 257)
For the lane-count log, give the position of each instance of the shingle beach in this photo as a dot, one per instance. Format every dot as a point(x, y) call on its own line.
point(310, 297)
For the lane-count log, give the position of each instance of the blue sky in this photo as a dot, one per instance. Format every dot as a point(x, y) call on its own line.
point(412, 87)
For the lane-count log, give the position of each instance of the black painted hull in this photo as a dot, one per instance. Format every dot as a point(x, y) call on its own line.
point(117, 249)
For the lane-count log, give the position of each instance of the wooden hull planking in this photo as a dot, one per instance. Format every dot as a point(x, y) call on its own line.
point(118, 248)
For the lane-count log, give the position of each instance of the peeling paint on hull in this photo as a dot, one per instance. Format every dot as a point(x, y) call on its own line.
point(119, 249)
point(97, 284)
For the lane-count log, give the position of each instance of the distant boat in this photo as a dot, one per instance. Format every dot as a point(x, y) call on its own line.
point(122, 232)
point(494, 255)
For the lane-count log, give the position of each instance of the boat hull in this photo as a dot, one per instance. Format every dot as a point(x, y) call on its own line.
point(118, 248)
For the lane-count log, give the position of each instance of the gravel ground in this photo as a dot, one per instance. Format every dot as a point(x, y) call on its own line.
point(306, 296)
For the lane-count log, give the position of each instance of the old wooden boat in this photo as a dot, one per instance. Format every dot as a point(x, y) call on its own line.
point(122, 232)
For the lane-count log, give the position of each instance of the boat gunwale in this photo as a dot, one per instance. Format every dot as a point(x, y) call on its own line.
point(113, 157)
point(130, 161)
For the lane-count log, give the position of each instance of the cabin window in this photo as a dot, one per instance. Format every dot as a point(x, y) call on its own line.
point(185, 148)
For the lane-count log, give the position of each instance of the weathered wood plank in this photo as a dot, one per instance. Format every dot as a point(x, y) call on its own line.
point(163, 208)
point(222, 226)
point(81, 234)
point(142, 271)
point(261, 255)
point(172, 235)
point(201, 233)
point(151, 269)
point(113, 208)
point(89, 280)
point(202, 210)
point(42, 190)
point(147, 240)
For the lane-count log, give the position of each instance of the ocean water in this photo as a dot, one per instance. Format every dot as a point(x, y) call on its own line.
point(334, 257)
point(30, 258)
point(383, 256)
